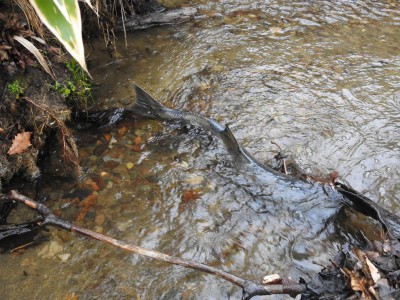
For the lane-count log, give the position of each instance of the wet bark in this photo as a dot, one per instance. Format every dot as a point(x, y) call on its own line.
point(364, 205)
point(147, 7)
point(168, 17)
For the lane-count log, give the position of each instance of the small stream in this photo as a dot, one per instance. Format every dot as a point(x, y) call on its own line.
point(319, 78)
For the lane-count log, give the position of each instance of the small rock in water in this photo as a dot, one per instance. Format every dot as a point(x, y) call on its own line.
point(137, 140)
point(99, 220)
point(306, 22)
point(110, 185)
point(99, 229)
point(51, 250)
point(118, 195)
point(64, 257)
point(123, 226)
point(195, 180)
point(113, 141)
point(122, 130)
point(43, 251)
point(275, 30)
point(100, 149)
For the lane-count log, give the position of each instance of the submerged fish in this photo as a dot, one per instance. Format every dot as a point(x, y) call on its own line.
point(147, 106)
point(328, 194)
point(276, 186)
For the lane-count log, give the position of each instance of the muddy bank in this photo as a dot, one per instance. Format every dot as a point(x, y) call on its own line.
point(36, 103)
point(35, 108)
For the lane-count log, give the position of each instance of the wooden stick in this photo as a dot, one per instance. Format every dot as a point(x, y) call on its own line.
point(250, 288)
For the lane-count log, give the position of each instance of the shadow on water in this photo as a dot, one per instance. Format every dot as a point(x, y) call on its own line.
point(319, 78)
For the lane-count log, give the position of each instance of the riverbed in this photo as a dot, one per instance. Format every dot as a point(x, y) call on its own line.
point(321, 79)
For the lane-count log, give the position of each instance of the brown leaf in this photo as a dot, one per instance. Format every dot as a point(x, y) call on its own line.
point(20, 143)
point(1, 130)
point(358, 284)
point(71, 297)
point(375, 275)
point(368, 268)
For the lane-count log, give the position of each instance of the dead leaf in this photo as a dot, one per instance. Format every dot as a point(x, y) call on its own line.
point(368, 268)
point(20, 143)
point(357, 284)
point(1, 130)
point(375, 275)
point(32, 48)
point(71, 297)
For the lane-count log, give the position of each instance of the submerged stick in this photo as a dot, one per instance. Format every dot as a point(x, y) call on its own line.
point(250, 289)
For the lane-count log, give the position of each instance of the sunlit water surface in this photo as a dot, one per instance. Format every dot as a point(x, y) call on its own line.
point(319, 78)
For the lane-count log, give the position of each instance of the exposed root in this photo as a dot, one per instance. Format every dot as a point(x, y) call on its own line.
point(70, 151)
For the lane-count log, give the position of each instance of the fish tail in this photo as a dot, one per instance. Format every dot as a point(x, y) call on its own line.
point(146, 105)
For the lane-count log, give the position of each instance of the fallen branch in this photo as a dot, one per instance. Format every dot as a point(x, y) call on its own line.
point(364, 205)
point(250, 289)
point(168, 17)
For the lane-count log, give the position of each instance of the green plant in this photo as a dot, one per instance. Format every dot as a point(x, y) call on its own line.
point(63, 18)
point(15, 88)
point(78, 90)
point(62, 88)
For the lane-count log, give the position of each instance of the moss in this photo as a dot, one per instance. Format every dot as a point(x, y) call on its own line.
point(15, 88)
point(78, 89)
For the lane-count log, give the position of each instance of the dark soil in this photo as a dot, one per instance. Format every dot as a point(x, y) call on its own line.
point(29, 103)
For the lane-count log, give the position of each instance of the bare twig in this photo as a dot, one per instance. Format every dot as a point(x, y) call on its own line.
point(21, 247)
point(284, 166)
point(250, 288)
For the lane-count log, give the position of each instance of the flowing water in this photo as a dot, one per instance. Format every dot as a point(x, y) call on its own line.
point(319, 78)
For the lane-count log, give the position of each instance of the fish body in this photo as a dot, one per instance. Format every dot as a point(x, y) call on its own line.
point(147, 106)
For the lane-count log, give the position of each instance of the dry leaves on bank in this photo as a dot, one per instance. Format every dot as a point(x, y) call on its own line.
point(21, 142)
point(366, 279)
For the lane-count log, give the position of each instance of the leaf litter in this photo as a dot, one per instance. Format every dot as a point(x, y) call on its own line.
point(21, 142)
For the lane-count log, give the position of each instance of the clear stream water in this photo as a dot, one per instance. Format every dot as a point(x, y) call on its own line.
point(320, 78)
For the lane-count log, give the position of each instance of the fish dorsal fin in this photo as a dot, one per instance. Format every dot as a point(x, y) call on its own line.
point(230, 140)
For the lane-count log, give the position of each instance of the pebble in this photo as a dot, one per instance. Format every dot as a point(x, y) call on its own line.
point(99, 229)
point(26, 262)
point(64, 257)
point(195, 180)
point(108, 158)
point(100, 149)
point(51, 250)
point(123, 226)
point(118, 195)
point(43, 251)
point(306, 22)
point(137, 140)
point(145, 188)
point(99, 220)
point(110, 185)
point(113, 141)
